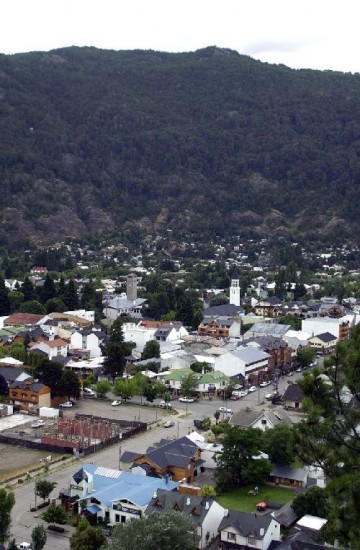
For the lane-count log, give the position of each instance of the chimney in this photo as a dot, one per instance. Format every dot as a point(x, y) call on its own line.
point(226, 512)
point(155, 494)
point(188, 501)
point(262, 531)
point(207, 505)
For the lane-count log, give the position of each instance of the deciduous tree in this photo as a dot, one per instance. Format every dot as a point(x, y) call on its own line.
point(239, 463)
point(169, 531)
point(7, 501)
point(38, 538)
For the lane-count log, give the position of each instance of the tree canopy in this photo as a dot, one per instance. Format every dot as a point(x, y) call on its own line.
point(169, 531)
point(330, 438)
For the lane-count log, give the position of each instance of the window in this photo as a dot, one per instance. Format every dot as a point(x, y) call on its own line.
point(231, 536)
point(263, 421)
point(123, 519)
point(117, 518)
point(252, 540)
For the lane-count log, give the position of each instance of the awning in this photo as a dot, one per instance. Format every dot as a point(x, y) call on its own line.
point(93, 509)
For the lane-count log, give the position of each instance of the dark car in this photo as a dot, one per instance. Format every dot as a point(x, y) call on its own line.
point(277, 398)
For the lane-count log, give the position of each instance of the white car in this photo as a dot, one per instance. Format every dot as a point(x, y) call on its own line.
point(66, 405)
point(116, 403)
point(265, 383)
point(24, 546)
point(187, 399)
point(165, 405)
point(88, 392)
point(225, 410)
point(252, 388)
point(243, 393)
point(38, 424)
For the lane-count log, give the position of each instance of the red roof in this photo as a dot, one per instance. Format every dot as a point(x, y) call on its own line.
point(23, 319)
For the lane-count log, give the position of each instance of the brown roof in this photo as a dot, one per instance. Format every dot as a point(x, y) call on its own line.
point(56, 343)
point(23, 319)
point(160, 324)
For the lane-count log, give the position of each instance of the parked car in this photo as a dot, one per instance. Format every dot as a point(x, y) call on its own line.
point(269, 396)
point(169, 424)
point(89, 392)
point(66, 405)
point(290, 373)
point(234, 397)
point(186, 399)
point(116, 403)
point(252, 388)
point(265, 383)
point(165, 405)
point(276, 399)
point(24, 546)
point(225, 410)
point(38, 424)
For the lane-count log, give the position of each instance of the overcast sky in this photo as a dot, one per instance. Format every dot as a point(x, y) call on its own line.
point(317, 34)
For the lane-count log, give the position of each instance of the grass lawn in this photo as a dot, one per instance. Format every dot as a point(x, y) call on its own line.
point(240, 500)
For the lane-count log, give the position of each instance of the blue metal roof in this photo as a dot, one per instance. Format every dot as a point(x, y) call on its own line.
point(112, 485)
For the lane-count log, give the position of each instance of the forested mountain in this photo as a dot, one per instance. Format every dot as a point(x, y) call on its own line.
point(210, 142)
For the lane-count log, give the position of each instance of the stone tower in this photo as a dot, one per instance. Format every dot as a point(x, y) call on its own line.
point(235, 289)
point(131, 287)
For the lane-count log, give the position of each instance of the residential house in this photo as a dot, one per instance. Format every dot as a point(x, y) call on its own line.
point(293, 397)
point(13, 374)
point(52, 348)
point(205, 513)
point(87, 339)
point(213, 382)
point(324, 342)
point(264, 420)
point(112, 496)
point(282, 474)
point(174, 330)
point(29, 395)
point(269, 307)
point(220, 327)
point(243, 530)
point(298, 541)
point(177, 460)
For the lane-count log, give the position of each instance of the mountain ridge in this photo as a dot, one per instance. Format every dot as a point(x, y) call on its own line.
point(208, 142)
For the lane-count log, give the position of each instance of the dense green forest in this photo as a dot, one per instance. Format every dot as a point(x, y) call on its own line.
point(207, 143)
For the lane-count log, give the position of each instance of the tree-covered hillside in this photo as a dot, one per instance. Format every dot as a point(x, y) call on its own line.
point(210, 142)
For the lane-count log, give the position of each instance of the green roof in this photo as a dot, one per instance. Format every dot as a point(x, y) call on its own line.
point(208, 378)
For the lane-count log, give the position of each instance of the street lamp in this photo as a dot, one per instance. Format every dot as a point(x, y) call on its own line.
point(35, 493)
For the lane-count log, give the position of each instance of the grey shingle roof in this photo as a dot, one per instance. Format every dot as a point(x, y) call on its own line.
point(247, 417)
point(178, 453)
point(246, 524)
point(293, 393)
point(281, 470)
point(191, 505)
point(229, 310)
point(326, 337)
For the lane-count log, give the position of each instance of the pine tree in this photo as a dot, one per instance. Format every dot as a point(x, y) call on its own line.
point(27, 288)
point(4, 298)
point(71, 298)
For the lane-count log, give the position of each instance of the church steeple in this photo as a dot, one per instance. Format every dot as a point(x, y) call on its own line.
point(235, 288)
